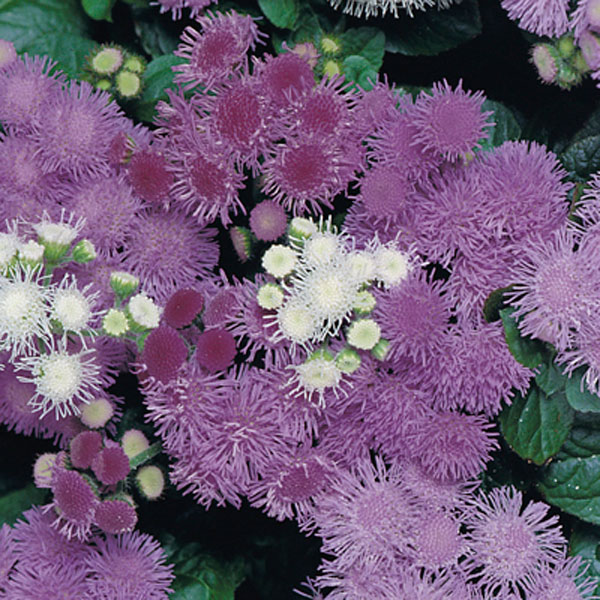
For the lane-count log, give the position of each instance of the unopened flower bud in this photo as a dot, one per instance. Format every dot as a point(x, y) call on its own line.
point(134, 442)
point(123, 284)
point(115, 322)
point(380, 350)
point(128, 84)
point(84, 252)
point(270, 296)
point(348, 360)
point(107, 60)
point(363, 334)
point(97, 413)
point(150, 481)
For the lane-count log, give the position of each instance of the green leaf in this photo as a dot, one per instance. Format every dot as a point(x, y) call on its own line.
point(158, 36)
point(550, 378)
point(506, 127)
point(199, 576)
point(99, 10)
point(579, 397)
point(359, 70)
point(493, 303)
point(536, 426)
point(282, 13)
point(528, 351)
point(158, 76)
point(585, 542)
point(583, 442)
point(58, 28)
point(582, 158)
point(433, 31)
point(367, 42)
point(573, 484)
point(15, 502)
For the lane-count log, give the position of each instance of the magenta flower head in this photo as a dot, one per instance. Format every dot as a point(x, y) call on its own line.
point(83, 448)
point(149, 176)
point(115, 516)
point(75, 502)
point(451, 446)
point(238, 119)
point(509, 542)
point(268, 221)
point(78, 126)
point(111, 465)
point(215, 349)
point(182, 307)
point(450, 122)
point(164, 353)
point(215, 53)
point(127, 566)
point(283, 78)
point(207, 180)
point(48, 582)
point(543, 17)
point(304, 174)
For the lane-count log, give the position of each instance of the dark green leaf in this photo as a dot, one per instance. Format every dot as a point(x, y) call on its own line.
point(536, 426)
point(582, 158)
point(199, 576)
point(585, 542)
point(573, 484)
point(157, 35)
point(528, 351)
point(579, 397)
point(307, 28)
point(58, 28)
point(493, 303)
point(157, 77)
point(506, 127)
point(359, 70)
point(550, 378)
point(367, 42)
point(282, 13)
point(583, 442)
point(98, 9)
point(433, 31)
point(15, 502)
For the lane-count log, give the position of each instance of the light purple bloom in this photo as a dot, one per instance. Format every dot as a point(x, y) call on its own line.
point(543, 17)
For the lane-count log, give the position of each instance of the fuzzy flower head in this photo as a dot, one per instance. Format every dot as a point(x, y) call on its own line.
point(74, 502)
point(510, 542)
point(451, 122)
point(218, 49)
point(24, 301)
point(542, 17)
point(130, 565)
point(7, 53)
point(62, 380)
point(79, 124)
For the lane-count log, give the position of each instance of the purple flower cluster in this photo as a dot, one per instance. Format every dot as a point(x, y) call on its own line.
point(383, 467)
point(39, 563)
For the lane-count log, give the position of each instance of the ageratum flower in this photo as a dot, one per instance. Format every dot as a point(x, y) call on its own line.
point(79, 124)
point(542, 17)
point(215, 53)
point(168, 251)
point(510, 542)
point(109, 208)
point(126, 566)
point(450, 122)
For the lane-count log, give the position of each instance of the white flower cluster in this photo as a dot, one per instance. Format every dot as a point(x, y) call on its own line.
point(323, 282)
